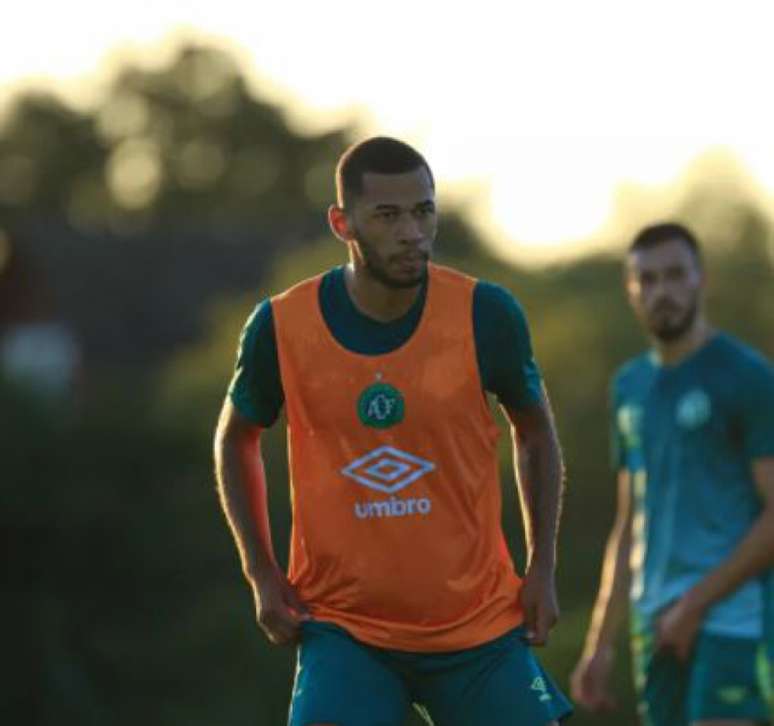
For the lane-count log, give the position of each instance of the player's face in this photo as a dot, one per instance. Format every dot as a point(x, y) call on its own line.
point(393, 225)
point(665, 285)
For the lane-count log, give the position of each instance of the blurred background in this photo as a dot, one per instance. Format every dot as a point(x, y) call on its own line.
point(161, 172)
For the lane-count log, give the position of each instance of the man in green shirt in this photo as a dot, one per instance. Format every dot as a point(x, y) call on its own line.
point(693, 541)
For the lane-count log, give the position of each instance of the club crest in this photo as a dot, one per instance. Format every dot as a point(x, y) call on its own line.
point(694, 409)
point(380, 406)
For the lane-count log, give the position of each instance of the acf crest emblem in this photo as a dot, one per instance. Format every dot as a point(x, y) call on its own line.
point(380, 406)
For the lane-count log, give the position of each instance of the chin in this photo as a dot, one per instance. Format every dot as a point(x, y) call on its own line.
point(408, 280)
point(669, 335)
point(406, 283)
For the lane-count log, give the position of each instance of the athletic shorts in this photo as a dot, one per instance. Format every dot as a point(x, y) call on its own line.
point(724, 678)
point(342, 681)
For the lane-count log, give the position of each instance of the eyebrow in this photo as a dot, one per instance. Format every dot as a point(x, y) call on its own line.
point(391, 207)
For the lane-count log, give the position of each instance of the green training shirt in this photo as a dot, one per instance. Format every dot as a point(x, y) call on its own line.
point(506, 363)
point(688, 433)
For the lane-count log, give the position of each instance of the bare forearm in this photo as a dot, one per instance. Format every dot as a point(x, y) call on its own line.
point(242, 491)
point(540, 475)
point(611, 605)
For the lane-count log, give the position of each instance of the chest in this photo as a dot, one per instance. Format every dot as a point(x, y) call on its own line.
point(423, 387)
point(673, 416)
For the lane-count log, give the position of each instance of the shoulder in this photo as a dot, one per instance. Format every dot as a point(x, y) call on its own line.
point(498, 317)
point(734, 354)
point(496, 301)
point(449, 279)
point(260, 319)
point(739, 372)
point(300, 289)
point(631, 373)
point(258, 332)
point(634, 366)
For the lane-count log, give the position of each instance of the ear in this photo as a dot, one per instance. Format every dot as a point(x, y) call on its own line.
point(337, 219)
point(704, 277)
point(630, 285)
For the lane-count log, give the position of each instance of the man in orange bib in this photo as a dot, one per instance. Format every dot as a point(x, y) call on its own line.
point(400, 588)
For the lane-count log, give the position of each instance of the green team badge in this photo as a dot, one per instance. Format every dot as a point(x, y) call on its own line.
point(694, 409)
point(380, 406)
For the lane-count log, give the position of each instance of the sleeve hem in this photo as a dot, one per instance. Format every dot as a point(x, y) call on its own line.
point(245, 410)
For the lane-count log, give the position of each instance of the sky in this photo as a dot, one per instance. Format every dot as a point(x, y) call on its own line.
point(535, 115)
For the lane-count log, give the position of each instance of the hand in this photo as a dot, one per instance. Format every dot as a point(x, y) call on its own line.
point(538, 599)
point(278, 609)
point(677, 627)
point(590, 681)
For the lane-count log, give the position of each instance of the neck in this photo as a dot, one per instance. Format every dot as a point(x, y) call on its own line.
point(375, 299)
point(674, 351)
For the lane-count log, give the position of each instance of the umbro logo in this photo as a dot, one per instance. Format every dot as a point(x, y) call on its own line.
point(539, 685)
point(387, 469)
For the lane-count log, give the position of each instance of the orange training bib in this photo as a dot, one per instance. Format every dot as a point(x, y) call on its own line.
point(394, 478)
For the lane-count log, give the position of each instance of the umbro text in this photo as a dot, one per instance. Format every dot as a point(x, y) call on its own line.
point(393, 507)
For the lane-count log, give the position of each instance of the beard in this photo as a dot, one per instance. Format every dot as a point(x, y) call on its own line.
point(379, 268)
point(670, 329)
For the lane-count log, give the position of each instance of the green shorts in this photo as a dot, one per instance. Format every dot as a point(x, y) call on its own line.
point(723, 679)
point(342, 681)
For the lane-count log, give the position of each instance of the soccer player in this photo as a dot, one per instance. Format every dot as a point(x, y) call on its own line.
point(400, 588)
point(693, 541)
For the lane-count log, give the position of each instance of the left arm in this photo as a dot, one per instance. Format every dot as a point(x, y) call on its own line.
point(753, 555)
point(539, 474)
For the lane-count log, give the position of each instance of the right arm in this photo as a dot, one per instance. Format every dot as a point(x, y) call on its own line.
point(242, 490)
point(590, 679)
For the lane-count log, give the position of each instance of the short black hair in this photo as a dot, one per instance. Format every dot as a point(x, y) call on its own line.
point(657, 234)
point(379, 155)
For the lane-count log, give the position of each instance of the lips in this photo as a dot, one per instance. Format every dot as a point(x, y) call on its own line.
point(411, 259)
point(666, 308)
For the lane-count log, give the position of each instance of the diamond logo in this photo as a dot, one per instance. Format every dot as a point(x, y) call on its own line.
point(387, 469)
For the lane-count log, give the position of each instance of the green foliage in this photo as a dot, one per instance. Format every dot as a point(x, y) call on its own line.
point(123, 589)
point(187, 142)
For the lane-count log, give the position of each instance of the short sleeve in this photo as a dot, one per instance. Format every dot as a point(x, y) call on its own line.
point(256, 386)
point(757, 410)
point(503, 347)
point(617, 443)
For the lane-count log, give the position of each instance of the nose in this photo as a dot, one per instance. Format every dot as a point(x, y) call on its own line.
point(659, 289)
point(410, 229)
